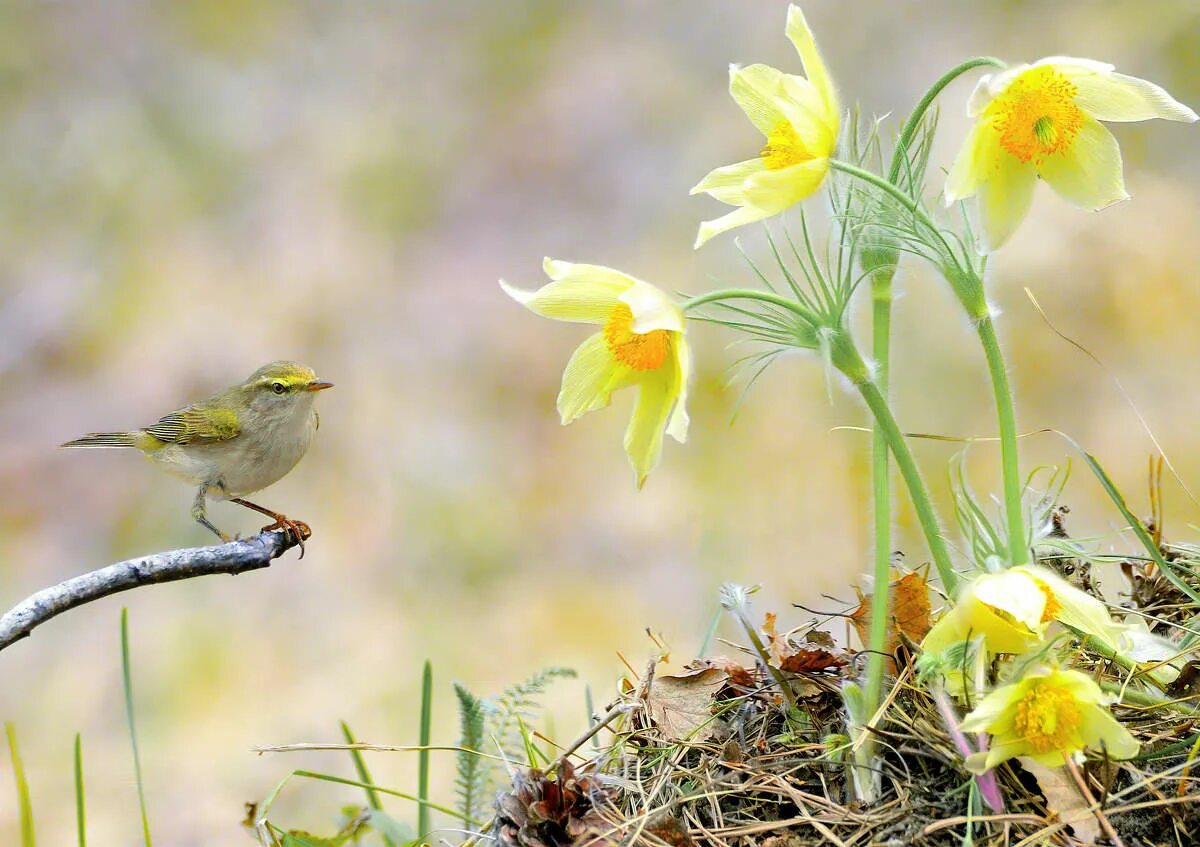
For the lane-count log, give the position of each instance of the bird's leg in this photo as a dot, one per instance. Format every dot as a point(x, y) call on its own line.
point(200, 513)
point(297, 528)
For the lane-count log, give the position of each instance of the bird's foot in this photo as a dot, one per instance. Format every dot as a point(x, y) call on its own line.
point(297, 529)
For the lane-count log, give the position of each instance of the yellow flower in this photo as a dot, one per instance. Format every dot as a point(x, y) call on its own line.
point(1011, 610)
point(641, 342)
point(1048, 714)
point(799, 118)
point(1043, 120)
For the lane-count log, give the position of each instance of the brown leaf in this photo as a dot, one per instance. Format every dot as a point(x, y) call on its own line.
point(910, 612)
point(1063, 801)
point(670, 829)
point(810, 661)
point(682, 705)
point(819, 637)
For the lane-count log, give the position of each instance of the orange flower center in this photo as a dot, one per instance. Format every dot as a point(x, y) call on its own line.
point(1053, 607)
point(642, 351)
point(1036, 115)
point(1047, 717)
point(784, 148)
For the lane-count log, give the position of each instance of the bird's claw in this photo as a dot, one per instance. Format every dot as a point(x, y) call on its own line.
point(297, 529)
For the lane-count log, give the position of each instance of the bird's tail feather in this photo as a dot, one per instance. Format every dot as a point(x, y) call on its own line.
point(103, 439)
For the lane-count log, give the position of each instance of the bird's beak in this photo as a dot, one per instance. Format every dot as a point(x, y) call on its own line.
point(318, 386)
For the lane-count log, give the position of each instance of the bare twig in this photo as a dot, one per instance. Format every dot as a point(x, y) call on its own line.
point(233, 557)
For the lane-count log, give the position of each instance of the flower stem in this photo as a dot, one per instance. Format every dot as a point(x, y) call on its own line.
point(845, 357)
point(748, 294)
point(1018, 548)
point(918, 114)
point(881, 298)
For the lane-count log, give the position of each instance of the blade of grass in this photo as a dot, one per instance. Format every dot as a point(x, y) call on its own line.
point(23, 802)
point(360, 766)
point(80, 814)
point(423, 756)
point(1139, 529)
point(711, 632)
point(137, 759)
point(340, 780)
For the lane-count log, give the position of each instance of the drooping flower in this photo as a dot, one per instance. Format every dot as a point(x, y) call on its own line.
point(641, 342)
point(1012, 608)
point(1043, 120)
point(799, 118)
point(1048, 714)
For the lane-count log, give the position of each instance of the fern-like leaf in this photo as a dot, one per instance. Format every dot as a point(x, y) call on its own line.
point(472, 769)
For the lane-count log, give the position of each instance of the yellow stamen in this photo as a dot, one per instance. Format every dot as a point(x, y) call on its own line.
point(642, 351)
point(1053, 607)
point(1036, 116)
point(1047, 717)
point(784, 148)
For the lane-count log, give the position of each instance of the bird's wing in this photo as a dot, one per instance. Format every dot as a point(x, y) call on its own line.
point(197, 424)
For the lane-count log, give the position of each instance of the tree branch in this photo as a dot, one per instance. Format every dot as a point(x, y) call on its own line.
point(233, 557)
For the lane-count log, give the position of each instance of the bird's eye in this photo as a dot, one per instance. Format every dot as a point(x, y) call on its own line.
point(278, 387)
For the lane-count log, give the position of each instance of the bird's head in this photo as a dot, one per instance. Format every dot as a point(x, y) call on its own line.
point(282, 387)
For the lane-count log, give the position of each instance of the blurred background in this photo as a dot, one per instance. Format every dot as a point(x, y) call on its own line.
point(189, 190)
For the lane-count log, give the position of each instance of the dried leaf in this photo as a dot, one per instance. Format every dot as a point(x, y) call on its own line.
point(670, 829)
point(810, 661)
point(1063, 800)
point(819, 637)
point(682, 705)
point(910, 612)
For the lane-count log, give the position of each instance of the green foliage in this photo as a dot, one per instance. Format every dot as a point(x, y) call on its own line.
point(471, 771)
point(137, 761)
point(423, 825)
point(360, 767)
point(23, 802)
point(504, 720)
point(80, 813)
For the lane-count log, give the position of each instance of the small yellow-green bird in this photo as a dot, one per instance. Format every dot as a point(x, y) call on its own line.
point(236, 442)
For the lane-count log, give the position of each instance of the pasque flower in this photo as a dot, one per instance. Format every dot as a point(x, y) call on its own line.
point(799, 119)
point(1043, 120)
point(1048, 714)
point(1012, 608)
point(641, 343)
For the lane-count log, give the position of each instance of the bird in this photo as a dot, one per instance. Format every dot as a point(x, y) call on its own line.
point(235, 443)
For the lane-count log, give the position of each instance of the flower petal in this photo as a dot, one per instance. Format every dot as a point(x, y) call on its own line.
point(1101, 731)
point(1109, 96)
point(727, 183)
point(652, 309)
point(990, 86)
point(992, 709)
point(677, 427)
point(1012, 591)
point(814, 66)
point(973, 163)
point(774, 191)
point(1004, 199)
point(579, 293)
point(644, 437)
point(1088, 173)
point(589, 379)
point(758, 90)
point(738, 217)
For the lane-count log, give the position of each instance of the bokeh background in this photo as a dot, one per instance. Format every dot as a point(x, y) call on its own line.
point(188, 190)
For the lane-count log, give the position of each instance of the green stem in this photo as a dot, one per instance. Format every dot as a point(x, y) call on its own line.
point(1018, 549)
point(845, 357)
point(918, 114)
point(881, 295)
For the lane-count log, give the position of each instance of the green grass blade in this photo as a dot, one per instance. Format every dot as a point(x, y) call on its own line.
point(711, 632)
point(80, 813)
point(360, 766)
point(1118, 499)
point(137, 759)
point(423, 824)
point(23, 802)
point(341, 780)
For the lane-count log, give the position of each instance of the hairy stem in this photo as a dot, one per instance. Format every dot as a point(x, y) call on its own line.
point(845, 358)
point(1006, 417)
point(881, 294)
